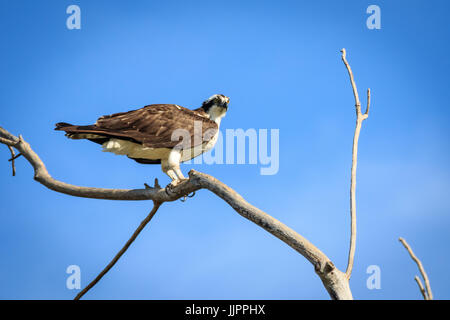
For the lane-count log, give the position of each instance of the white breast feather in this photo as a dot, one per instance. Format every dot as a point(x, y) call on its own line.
point(196, 151)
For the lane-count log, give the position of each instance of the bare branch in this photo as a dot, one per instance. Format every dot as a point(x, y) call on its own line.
point(42, 176)
point(359, 119)
point(333, 279)
point(352, 81)
point(7, 138)
point(7, 142)
point(144, 222)
point(196, 181)
point(270, 224)
point(427, 294)
point(421, 288)
point(13, 158)
point(366, 114)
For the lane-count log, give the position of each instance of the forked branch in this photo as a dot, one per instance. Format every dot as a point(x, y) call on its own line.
point(360, 117)
point(426, 292)
point(13, 158)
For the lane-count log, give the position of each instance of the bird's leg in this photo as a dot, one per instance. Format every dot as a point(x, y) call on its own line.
point(182, 178)
point(171, 173)
point(171, 167)
point(176, 175)
point(167, 167)
point(179, 174)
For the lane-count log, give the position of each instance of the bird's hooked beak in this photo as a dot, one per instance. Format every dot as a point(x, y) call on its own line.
point(227, 101)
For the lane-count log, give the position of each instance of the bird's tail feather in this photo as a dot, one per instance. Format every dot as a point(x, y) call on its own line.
point(62, 125)
point(78, 132)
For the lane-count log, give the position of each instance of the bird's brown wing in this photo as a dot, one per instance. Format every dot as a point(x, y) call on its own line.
point(155, 126)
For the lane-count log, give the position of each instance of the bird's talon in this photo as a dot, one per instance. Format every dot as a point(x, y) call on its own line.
point(187, 196)
point(169, 188)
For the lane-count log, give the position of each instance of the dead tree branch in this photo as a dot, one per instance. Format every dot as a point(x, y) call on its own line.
point(42, 176)
point(421, 288)
point(360, 117)
point(426, 292)
point(116, 258)
point(13, 158)
point(335, 281)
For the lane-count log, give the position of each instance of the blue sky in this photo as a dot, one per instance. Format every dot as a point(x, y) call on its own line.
point(279, 62)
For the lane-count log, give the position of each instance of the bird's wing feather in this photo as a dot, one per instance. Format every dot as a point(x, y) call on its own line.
point(153, 126)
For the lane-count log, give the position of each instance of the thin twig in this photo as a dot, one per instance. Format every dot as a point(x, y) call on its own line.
point(352, 80)
point(421, 288)
point(144, 222)
point(359, 119)
point(428, 295)
point(13, 157)
point(8, 142)
point(368, 103)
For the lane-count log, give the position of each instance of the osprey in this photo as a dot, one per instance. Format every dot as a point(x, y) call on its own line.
point(165, 134)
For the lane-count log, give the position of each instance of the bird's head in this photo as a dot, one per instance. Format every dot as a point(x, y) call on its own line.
point(216, 106)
